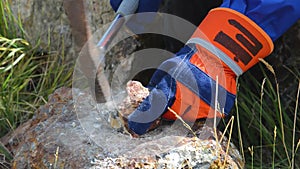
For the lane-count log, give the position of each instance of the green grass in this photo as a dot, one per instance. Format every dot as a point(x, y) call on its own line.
point(27, 77)
point(26, 81)
point(267, 129)
point(10, 25)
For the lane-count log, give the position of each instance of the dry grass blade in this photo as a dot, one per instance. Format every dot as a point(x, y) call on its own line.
point(183, 122)
point(252, 154)
point(294, 127)
point(270, 68)
point(56, 157)
point(12, 52)
point(298, 145)
point(274, 147)
point(260, 120)
point(239, 126)
point(267, 65)
point(229, 139)
point(230, 123)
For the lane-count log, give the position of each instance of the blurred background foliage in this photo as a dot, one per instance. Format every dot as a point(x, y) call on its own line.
point(28, 74)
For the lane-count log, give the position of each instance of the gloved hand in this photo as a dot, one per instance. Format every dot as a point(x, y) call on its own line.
point(187, 82)
point(144, 5)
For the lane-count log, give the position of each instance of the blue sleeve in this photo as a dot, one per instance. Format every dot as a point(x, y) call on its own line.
point(144, 5)
point(273, 16)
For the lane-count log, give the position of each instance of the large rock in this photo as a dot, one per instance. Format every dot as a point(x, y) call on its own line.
point(53, 138)
point(65, 134)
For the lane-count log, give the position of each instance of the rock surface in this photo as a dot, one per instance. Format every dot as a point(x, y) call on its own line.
point(57, 137)
point(53, 138)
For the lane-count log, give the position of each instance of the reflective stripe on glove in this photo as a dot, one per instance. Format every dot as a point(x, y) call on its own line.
point(187, 82)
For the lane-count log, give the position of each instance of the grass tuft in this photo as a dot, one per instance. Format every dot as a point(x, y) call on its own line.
point(260, 110)
point(27, 76)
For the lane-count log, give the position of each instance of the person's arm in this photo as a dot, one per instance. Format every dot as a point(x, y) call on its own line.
point(228, 42)
point(144, 5)
point(273, 16)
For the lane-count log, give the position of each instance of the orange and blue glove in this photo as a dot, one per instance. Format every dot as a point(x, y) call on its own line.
point(228, 42)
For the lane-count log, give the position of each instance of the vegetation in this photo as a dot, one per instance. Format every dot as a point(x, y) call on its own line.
point(267, 130)
point(27, 77)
